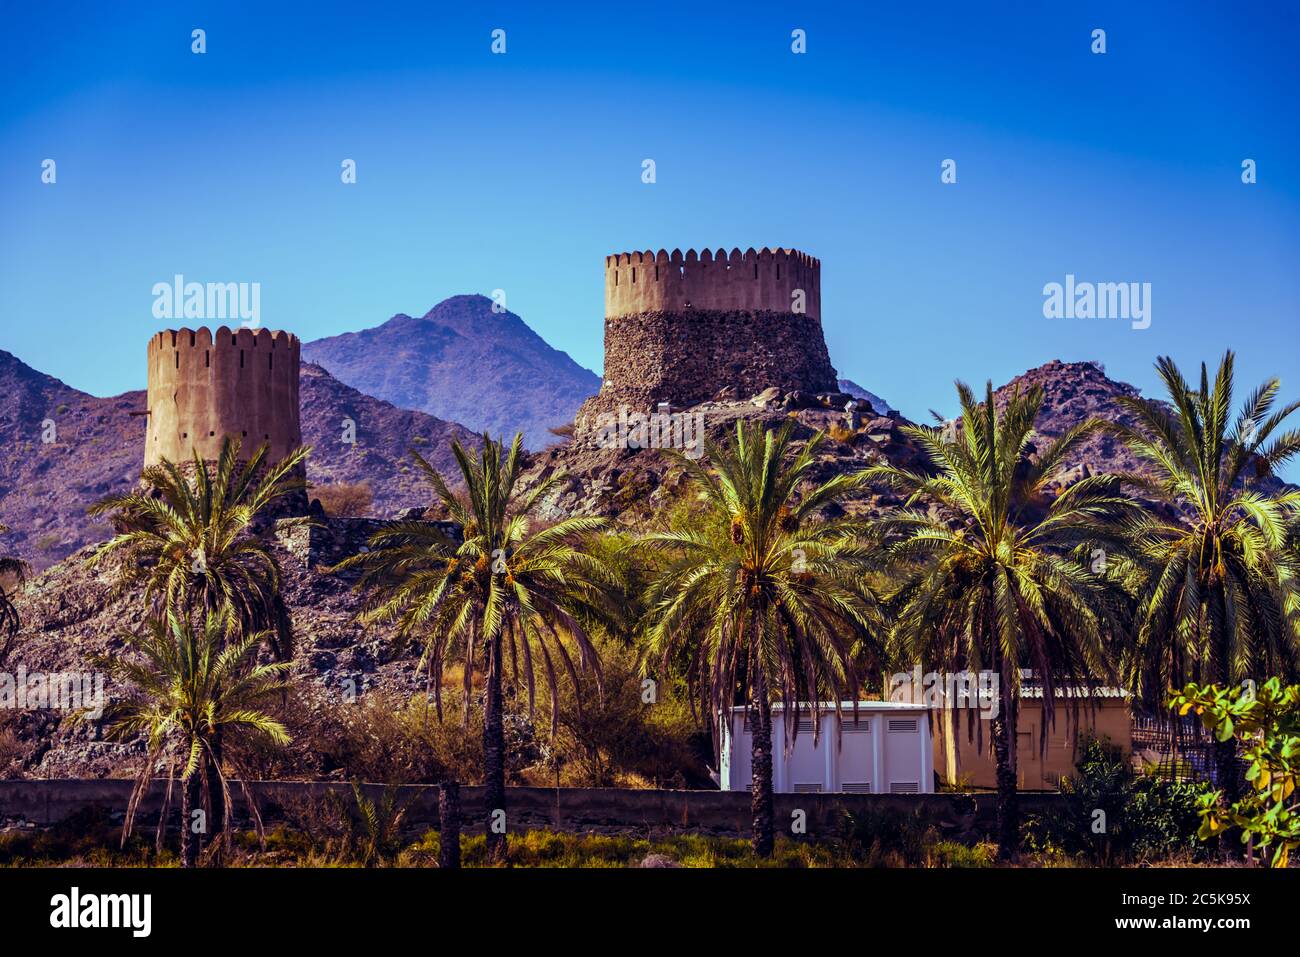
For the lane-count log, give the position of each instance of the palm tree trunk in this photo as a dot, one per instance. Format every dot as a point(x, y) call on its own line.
point(1227, 770)
point(190, 796)
point(494, 751)
point(761, 762)
point(449, 825)
point(216, 800)
point(1004, 743)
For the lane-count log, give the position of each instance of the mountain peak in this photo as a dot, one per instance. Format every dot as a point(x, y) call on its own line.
point(518, 381)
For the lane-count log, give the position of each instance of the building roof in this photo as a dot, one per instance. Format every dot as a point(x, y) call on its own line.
point(848, 706)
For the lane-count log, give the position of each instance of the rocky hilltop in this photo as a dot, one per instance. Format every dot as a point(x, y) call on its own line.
point(1074, 392)
point(632, 484)
point(463, 362)
point(96, 447)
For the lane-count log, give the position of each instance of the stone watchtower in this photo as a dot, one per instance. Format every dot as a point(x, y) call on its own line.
point(205, 386)
point(680, 328)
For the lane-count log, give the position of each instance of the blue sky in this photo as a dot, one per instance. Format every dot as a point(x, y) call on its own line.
point(520, 172)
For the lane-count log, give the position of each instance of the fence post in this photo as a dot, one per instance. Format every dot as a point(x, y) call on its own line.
point(449, 824)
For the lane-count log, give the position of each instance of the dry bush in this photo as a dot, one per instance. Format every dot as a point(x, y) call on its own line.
point(842, 433)
point(345, 499)
point(385, 739)
point(10, 747)
point(619, 740)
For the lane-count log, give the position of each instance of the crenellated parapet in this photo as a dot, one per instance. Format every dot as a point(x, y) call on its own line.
point(765, 280)
point(204, 386)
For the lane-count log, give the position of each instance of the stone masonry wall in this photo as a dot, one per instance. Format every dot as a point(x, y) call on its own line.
point(680, 328)
point(600, 810)
point(686, 358)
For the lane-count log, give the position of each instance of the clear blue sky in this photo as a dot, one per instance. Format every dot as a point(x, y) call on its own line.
point(522, 171)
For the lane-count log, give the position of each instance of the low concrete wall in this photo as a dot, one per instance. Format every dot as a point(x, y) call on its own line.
point(602, 810)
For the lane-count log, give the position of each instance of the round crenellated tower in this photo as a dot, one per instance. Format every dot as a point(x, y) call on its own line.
point(680, 328)
point(769, 280)
point(203, 387)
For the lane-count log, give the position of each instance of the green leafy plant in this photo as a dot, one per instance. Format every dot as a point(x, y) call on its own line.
point(764, 596)
point(193, 684)
point(1111, 814)
point(379, 838)
point(188, 537)
point(1266, 724)
point(509, 597)
point(1220, 599)
point(992, 572)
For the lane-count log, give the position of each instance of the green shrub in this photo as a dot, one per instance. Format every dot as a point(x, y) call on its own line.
point(1112, 815)
point(1266, 725)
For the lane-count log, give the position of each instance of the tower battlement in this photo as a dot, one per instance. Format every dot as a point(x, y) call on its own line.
point(204, 386)
point(766, 280)
point(683, 327)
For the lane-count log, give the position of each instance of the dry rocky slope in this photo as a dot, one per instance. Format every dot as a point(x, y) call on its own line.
point(633, 484)
point(70, 615)
point(464, 363)
point(98, 447)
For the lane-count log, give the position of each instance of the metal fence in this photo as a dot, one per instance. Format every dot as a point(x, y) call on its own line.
point(1179, 747)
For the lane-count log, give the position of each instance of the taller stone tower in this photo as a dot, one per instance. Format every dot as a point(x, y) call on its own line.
point(205, 386)
point(679, 328)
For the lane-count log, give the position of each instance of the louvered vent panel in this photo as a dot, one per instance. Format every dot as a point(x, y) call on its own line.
point(902, 725)
point(904, 787)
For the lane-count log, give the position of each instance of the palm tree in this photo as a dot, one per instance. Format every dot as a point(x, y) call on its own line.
point(16, 569)
point(189, 537)
point(1220, 602)
point(762, 596)
point(195, 684)
point(994, 573)
point(507, 594)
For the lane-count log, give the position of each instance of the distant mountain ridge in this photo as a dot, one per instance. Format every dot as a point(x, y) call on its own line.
point(464, 363)
point(878, 404)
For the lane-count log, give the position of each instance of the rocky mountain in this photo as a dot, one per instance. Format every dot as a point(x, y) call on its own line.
point(1074, 392)
point(633, 484)
point(62, 449)
point(855, 390)
point(605, 476)
point(464, 363)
